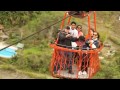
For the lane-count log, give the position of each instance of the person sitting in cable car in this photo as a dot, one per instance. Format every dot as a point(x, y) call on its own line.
point(89, 44)
point(93, 42)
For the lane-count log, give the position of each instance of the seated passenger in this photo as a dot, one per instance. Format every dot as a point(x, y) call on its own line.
point(92, 43)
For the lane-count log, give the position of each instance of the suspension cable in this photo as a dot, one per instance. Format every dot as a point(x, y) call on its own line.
point(36, 32)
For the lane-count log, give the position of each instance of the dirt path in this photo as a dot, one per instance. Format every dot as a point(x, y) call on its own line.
point(6, 74)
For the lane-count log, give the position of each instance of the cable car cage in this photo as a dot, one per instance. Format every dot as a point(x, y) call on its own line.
point(84, 63)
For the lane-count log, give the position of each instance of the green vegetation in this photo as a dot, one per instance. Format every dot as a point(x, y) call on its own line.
point(110, 68)
point(34, 59)
point(115, 40)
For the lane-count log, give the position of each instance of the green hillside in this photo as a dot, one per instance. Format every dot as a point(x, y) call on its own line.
point(34, 59)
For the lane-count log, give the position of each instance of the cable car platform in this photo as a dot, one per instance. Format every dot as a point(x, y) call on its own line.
point(65, 74)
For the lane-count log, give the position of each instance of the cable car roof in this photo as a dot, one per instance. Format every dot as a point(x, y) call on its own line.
point(78, 14)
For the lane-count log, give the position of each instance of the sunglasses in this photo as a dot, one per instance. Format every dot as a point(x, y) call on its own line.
point(79, 28)
point(95, 34)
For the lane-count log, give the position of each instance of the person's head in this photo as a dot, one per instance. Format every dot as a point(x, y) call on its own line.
point(67, 29)
point(79, 27)
point(82, 39)
point(96, 35)
point(73, 25)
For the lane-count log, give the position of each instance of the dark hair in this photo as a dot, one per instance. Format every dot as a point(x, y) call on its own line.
point(73, 23)
point(82, 38)
point(78, 26)
point(67, 27)
point(98, 35)
point(92, 29)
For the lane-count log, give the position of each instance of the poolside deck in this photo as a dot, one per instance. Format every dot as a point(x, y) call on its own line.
point(7, 52)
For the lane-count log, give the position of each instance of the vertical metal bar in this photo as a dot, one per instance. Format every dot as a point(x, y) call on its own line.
point(62, 24)
point(95, 20)
point(89, 34)
point(69, 20)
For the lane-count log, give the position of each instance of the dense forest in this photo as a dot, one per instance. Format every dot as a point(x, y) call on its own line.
point(34, 59)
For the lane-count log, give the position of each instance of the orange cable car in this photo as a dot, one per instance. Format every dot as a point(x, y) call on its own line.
point(85, 63)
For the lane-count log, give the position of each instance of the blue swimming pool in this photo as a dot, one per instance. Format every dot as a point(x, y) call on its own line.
point(7, 53)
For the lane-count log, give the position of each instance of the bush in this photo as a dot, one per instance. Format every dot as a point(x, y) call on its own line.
point(114, 40)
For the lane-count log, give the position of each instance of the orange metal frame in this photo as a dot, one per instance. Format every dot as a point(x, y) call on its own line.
point(94, 59)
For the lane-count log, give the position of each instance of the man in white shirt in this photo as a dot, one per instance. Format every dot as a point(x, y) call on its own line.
point(73, 32)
